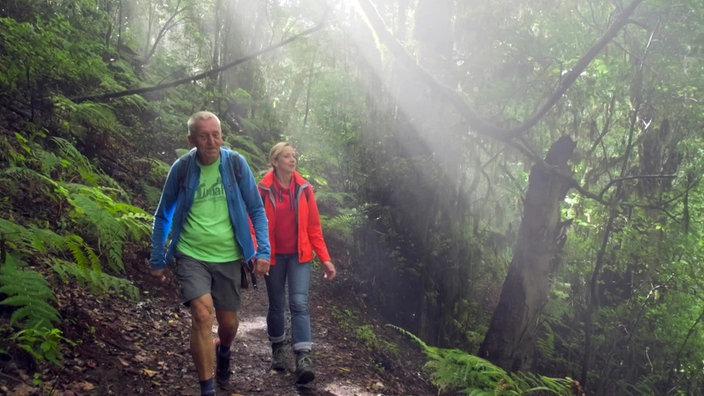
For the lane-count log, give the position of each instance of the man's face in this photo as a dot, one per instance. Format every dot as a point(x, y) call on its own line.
point(207, 138)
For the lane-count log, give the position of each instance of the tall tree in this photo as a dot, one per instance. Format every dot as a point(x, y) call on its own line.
point(512, 334)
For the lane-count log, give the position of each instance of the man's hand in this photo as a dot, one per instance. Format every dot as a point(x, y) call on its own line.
point(261, 266)
point(159, 274)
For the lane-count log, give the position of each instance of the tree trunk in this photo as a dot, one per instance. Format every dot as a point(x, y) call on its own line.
point(510, 340)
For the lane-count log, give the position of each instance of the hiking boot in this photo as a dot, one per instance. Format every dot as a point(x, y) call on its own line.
point(278, 356)
point(304, 367)
point(222, 367)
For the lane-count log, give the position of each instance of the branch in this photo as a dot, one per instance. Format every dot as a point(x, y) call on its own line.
point(636, 177)
point(170, 23)
point(209, 73)
point(578, 69)
point(476, 122)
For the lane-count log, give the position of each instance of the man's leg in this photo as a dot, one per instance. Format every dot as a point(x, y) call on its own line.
point(227, 330)
point(228, 323)
point(203, 317)
point(196, 280)
point(226, 298)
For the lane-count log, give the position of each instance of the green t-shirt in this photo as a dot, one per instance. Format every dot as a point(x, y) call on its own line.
point(207, 233)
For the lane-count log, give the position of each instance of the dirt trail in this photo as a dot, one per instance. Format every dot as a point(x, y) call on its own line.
point(141, 348)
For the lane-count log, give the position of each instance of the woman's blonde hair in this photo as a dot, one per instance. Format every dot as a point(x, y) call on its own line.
point(276, 150)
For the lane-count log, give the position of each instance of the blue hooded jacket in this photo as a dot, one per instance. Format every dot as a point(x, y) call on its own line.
point(243, 202)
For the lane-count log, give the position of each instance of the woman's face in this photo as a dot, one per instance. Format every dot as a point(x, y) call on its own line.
point(286, 160)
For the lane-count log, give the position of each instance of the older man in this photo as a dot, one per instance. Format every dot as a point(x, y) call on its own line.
point(208, 198)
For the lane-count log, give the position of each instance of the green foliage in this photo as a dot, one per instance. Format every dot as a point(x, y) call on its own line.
point(78, 162)
point(97, 282)
point(40, 57)
point(365, 333)
point(43, 343)
point(86, 266)
point(343, 225)
point(111, 222)
point(99, 214)
point(29, 293)
point(400, 177)
point(458, 371)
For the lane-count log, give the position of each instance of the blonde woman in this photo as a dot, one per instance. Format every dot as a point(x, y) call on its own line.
point(294, 234)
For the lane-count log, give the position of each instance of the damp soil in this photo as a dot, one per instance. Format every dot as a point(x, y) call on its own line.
point(128, 347)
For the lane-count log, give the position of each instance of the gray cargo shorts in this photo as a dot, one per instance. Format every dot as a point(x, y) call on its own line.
point(198, 278)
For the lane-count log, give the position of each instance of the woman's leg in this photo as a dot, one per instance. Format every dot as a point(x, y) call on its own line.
point(298, 286)
point(276, 291)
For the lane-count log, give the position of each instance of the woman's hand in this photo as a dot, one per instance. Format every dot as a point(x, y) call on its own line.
point(329, 271)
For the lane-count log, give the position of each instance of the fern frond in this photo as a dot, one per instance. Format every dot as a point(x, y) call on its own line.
point(24, 173)
point(95, 210)
point(93, 259)
point(343, 225)
point(115, 255)
point(35, 313)
point(46, 240)
point(99, 115)
point(454, 369)
point(91, 175)
point(137, 221)
point(75, 245)
point(49, 161)
point(96, 281)
point(15, 235)
point(29, 292)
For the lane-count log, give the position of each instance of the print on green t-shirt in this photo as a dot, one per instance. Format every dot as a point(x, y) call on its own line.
point(207, 232)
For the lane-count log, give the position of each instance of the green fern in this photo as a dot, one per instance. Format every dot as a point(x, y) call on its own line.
point(85, 169)
point(86, 265)
point(83, 254)
point(29, 292)
point(111, 223)
point(25, 175)
point(32, 240)
point(14, 236)
point(44, 343)
point(456, 370)
point(343, 224)
point(97, 282)
point(8, 152)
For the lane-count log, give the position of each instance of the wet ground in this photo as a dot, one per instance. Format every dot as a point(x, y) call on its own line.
point(141, 348)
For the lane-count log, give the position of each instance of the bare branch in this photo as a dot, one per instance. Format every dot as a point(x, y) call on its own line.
point(476, 122)
point(191, 79)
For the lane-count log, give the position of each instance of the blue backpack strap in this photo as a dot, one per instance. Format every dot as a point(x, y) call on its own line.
point(184, 164)
point(235, 165)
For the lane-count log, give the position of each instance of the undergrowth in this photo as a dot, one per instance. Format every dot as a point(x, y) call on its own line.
point(456, 371)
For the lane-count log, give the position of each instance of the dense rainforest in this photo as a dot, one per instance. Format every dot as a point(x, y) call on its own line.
point(513, 185)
